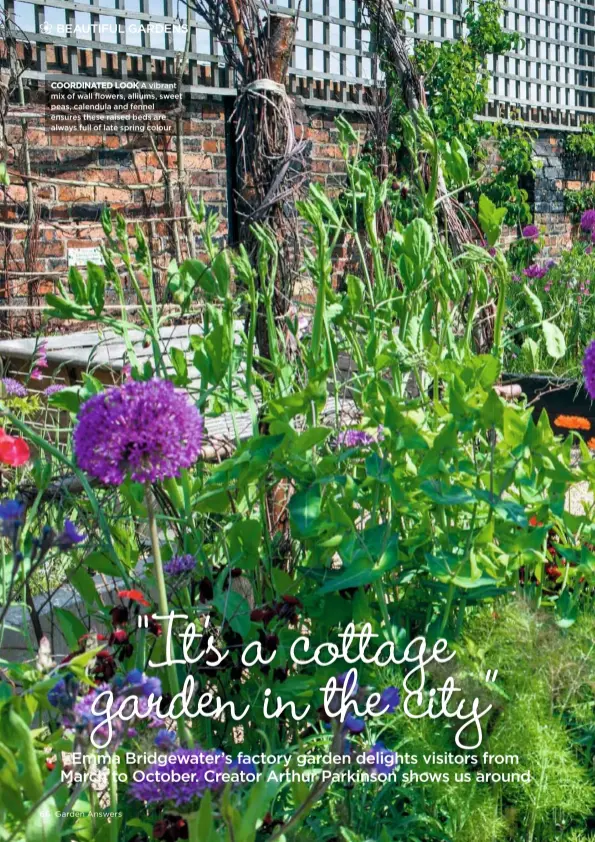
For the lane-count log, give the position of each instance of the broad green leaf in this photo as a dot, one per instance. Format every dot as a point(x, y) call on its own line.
point(554, 340)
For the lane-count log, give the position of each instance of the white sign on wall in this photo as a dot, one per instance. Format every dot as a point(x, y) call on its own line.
point(80, 257)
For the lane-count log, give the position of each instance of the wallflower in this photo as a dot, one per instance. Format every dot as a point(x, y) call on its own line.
point(135, 596)
point(588, 220)
point(148, 430)
point(179, 565)
point(530, 232)
point(14, 451)
point(14, 387)
point(157, 788)
point(589, 369)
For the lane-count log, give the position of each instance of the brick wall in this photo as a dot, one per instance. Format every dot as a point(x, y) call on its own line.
point(81, 173)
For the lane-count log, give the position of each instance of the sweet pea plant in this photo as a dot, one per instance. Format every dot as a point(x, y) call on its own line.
point(436, 511)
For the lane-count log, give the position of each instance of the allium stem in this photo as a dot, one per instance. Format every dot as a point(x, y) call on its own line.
point(193, 828)
point(172, 675)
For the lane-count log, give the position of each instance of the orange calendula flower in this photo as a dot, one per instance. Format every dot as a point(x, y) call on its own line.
point(572, 422)
point(135, 596)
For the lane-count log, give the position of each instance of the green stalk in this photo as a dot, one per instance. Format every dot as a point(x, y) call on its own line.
point(113, 798)
point(172, 674)
point(193, 827)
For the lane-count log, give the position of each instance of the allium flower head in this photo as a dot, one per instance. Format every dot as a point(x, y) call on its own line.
point(14, 387)
point(147, 429)
point(530, 232)
point(53, 389)
point(535, 272)
point(589, 370)
point(179, 565)
point(588, 220)
point(158, 788)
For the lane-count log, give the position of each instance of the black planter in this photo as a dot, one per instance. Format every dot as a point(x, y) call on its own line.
point(566, 402)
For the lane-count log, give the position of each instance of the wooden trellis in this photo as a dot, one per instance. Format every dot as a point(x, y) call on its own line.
point(549, 80)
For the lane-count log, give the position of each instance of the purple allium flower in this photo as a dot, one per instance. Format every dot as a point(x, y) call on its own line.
point(148, 429)
point(180, 564)
point(381, 760)
point(354, 438)
point(11, 516)
point(69, 536)
point(191, 763)
point(389, 699)
point(534, 271)
point(589, 369)
point(530, 232)
point(53, 389)
point(165, 739)
point(588, 220)
point(14, 387)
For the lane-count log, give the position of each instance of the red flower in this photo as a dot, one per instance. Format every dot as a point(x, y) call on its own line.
point(135, 596)
point(14, 451)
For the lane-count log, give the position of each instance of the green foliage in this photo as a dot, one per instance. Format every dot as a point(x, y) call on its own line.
point(578, 201)
point(516, 164)
point(581, 144)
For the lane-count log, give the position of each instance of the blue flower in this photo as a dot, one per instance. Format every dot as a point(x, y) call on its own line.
point(352, 724)
point(389, 699)
point(69, 536)
point(165, 739)
point(11, 517)
point(381, 760)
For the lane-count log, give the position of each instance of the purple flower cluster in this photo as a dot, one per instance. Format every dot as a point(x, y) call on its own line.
point(179, 565)
point(162, 783)
point(535, 272)
point(358, 438)
point(588, 220)
point(147, 429)
point(12, 513)
point(14, 387)
point(530, 232)
point(589, 369)
point(53, 389)
point(146, 688)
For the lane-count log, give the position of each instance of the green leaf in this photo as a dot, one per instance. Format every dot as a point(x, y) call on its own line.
point(44, 824)
point(220, 268)
point(490, 219)
point(199, 274)
point(96, 284)
point(305, 512)
point(101, 563)
point(78, 286)
point(418, 244)
point(244, 543)
point(554, 340)
point(71, 627)
point(535, 305)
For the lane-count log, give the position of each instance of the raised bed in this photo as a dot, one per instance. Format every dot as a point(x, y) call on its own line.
point(566, 402)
